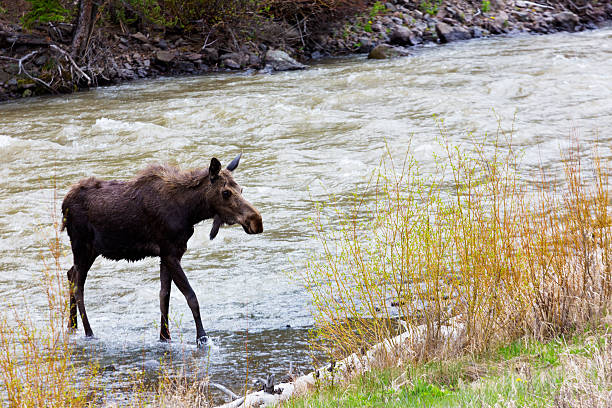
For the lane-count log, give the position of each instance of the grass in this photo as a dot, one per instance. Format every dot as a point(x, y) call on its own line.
point(568, 371)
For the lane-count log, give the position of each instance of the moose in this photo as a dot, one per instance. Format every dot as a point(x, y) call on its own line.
point(151, 215)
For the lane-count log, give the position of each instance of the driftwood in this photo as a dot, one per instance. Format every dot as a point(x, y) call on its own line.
point(393, 348)
point(532, 4)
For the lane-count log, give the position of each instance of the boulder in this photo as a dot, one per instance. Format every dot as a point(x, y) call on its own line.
point(194, 57)
point(364, 45)
point(254, 60)
point(230, 63)
point(210, 54)
point(566, 20)
point(164, 56)
point(402, 36)
point(384, 51)
point(281, 61)
point(446, 33)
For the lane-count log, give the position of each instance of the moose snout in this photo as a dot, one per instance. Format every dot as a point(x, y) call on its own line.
point(254, 224)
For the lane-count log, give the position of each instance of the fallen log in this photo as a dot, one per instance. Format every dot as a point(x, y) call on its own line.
point(24, 39)
point(355, 364)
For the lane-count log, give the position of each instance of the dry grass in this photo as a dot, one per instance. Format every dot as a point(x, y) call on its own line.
point(588, 378)
point(510, 255)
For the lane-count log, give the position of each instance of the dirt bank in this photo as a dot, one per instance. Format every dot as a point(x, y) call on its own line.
point(40, 60)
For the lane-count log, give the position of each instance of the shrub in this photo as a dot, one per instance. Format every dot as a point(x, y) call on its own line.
point(504, 254)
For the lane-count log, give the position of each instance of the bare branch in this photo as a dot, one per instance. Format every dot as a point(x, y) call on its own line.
point(74, 64)
point(26, 73)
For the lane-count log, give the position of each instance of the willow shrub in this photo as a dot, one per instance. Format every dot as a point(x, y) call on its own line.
point(480, 240)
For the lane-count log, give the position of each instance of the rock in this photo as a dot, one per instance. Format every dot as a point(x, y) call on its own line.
point(281, 61)
point(401, 36)
point(231, 55)
point(447, 33)
point(498, 4)
point(566, 20)
point(254, 60)
point(185, 66)
point(194, 57)
point(164, 56)
point(230, 63)
point(384, 51)
point(140, 37)
point(41, 60)
point(210, 54)
point(364, 45)
point(162, 44)
point(378, 28)
point(476, 32)
point(4, 76)
point(126, 74)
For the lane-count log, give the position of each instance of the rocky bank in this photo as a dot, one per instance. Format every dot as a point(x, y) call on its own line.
point(38, 61)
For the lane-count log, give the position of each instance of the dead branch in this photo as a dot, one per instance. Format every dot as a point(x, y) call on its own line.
point(74, 64)
point(26, 73)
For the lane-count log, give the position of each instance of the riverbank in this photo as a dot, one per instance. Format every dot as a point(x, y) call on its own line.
point(278, 37)
point(567, 371)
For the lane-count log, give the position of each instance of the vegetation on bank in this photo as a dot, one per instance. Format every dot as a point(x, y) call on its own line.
point(566, 371)
point(501, 253)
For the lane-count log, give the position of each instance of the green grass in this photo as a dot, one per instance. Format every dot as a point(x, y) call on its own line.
point(524, 373)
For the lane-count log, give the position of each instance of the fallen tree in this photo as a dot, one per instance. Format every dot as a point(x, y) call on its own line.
point(393, 350)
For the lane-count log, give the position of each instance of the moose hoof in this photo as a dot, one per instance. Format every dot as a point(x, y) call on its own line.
point(201, 341)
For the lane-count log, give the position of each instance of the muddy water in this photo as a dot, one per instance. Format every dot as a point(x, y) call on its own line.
point(304, 135)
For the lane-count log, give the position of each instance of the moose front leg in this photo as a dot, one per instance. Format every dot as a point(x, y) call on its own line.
point(164, 301)
point(172, 264)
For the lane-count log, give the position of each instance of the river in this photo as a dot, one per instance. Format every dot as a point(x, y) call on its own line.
point(304, 135)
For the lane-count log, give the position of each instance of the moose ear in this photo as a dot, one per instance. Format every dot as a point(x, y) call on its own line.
point(214, 169)
point(232, 166)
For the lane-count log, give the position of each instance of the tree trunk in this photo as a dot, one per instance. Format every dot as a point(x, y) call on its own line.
point(84, 26)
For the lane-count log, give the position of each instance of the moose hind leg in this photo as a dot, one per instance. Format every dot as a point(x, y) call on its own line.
point(72, 320)
point(82, 266)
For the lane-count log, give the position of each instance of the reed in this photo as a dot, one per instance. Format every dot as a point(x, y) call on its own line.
point(506, 251)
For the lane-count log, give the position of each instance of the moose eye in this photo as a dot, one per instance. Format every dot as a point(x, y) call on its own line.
point(226, 194)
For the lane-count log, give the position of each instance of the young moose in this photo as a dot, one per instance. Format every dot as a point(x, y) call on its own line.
point(151, 215)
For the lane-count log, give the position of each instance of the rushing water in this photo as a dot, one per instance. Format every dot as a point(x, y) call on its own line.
point(304, 135)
